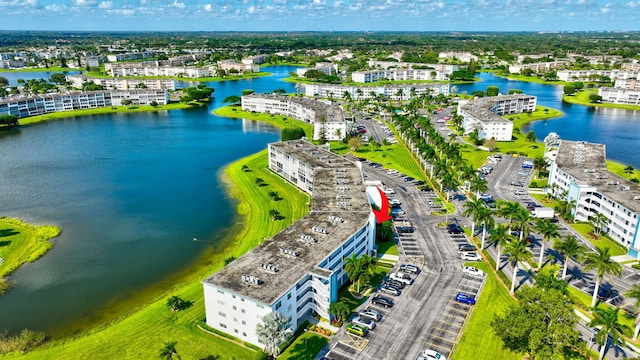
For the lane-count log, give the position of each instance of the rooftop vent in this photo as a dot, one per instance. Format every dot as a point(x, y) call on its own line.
point(269, 268)
point(288, 252)
point(250, 279)
point(601, 177)
point(341, 176)
point(341, 170)
point(623, 188)
point(344, 204)
point(319, 229)
point(637, 198)
point(342, 188)
point(589, 171)
point(335, 219)
point(613, 182)
point(308, 238)
point(343, 196)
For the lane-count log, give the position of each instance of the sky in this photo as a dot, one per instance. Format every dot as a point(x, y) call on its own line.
point(321, 15)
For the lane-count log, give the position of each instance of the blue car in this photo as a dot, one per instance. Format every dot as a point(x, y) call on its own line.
point(465, 299)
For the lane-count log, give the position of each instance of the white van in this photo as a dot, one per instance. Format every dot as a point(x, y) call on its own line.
point(403, 278)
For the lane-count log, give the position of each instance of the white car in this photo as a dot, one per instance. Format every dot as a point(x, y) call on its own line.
point(473, 271)
point(392, 172)
point(368, 323)
point(389, 191)
point(471, 256)
point(402, 277)
point(394, 202)
point(429, 354)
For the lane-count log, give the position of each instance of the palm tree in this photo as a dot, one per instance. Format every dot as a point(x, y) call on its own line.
point(634, 293)
point(549, 231)
point(508, 209)
point(478, 185)
point(500, 235)
point(601, 261)
point(629, 170)
point(486, 218)
point(369, 264)
point(168, 351)
point(599, 221)
point(273, 331)
point(516, 251)
point(606, 320)
point(340, 310)
point(569, 247)
point(355, 271)
point(449, 182)
point(522, 219)
point(471, 209)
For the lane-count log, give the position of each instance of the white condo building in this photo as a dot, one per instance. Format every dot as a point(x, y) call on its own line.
point(154, 68)
point(324, 117)
point(537, 67)
point(122, 84)
point(485, 114)
point(580, 170)
point(369, 92)
point(620, 95)
point(588, 75)
point(43, 104)
point(300, 269)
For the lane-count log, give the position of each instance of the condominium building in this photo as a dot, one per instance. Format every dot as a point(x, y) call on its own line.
point(324, 67)
point(464, 57)
point(540, 67)
point(392, 92)
point(631, 84)
point(255, 59)
point(122, 84)
point(590, 75)
point(485, 114)
point(232, 64)
point(155, 68)
point(620, 95)
point(300, 269)
point(580, 171)
point(328, 120)
point(130, 56)
point(634, 66)
point(43, 104)
point(425, 72)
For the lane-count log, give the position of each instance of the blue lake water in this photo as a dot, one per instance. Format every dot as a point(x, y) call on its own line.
point(131, 191)
point(14, 76)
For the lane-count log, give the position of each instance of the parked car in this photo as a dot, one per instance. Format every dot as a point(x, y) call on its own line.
point(520, 192)
point(367, 323)
point(455, 229)
point(408, 268)
point(382, 301)
point(408, 178)
point(529, 239)
point(394, 202)
point(357, 330)
point(405, 229)
point(391, 290)
point(425, 188)
point(371, 314)
point(392, 282)
point(419, 182)
point(465, 299)
point(402, 277)
point(397, 211)
point(473, 271)
point(517, 183)
point(467, 247)
point(389, 191)
point(429, 354)
point(470, 256)
point(392, 172)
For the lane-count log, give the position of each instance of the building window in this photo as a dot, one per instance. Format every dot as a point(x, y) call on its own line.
point(222, 314)
point(223, 326)
point(220, 291)
point(278, 304)
point(242, 311)
point(244, 322)
point(235, 307)
point(288, 296)
point(244, 334)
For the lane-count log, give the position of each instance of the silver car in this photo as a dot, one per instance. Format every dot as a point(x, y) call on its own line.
point(368, 323)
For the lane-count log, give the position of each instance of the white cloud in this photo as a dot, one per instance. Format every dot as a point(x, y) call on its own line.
point(179, 5)
point(106, 5)
point(208, 8)
point(84, 2)
point(251, 9)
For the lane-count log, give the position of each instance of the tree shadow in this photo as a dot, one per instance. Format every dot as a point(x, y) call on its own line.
point(5, 243)
point(211, 357)
point(8, 232)
point(552, 255)
point(185, 305)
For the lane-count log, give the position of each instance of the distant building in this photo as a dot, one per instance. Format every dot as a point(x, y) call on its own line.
point(43, 104)
point(255, 59)
point(619, 96)
point(325, 118)
point(580, 171)
point(591, 75)
point(130, 56)
point(324, 67)
point(122, 84)
point(403, 71)
point(155, 68)
point(485, 114)
point(300, 269)
point(464, 57)
point(232, 64)
point(368, 92)
point(541, 67)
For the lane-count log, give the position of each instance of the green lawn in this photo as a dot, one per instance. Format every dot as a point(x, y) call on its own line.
point(585, 229)
point(478, 341)
point(618, 169)
point(475, 156)
point(141, 333)
point(582, 98)
point(305, 347)
point(387, 247)
point(393, 156)
point(276, 120)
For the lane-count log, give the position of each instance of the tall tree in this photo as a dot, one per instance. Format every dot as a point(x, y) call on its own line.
point(501, 237)
point(605, 319)
point(472, 208)
point(478, 185)
point(355, 272)
point(569, 247)
point(340, 310)
point(272, 332)
point(169, 351)
point(486, 218)
point(634, 293)
point(542, 324)
point(549, 231)
point(603, 264)
point(516, 251)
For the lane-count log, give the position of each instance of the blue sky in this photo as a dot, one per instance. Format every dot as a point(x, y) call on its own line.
point(321, 15)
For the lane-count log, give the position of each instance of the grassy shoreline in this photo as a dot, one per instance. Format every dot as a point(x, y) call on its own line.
point(37, 69)
point(119, 336)
point(582, 98)
point(184, 79)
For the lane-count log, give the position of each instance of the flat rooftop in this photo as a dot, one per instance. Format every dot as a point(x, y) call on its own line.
point(331, 113)
point(480, 108)
point(587, 162)
point(339, 208)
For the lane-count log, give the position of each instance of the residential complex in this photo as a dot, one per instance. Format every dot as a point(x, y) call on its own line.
point(540, 67)
point(130, 56)
point(464, 57)
point(232, 64)
point(485, 114)
point(389, 92)
point(154, 68)
point(43, 104)
point(590, 75)
point(300, 269)
point(620, 95)
point(327, 119)
point(122, 84)
point(580, 170)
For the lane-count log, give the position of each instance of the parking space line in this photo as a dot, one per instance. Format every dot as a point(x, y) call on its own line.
point(448, 323)
point(443, 340)
point(447, 331)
